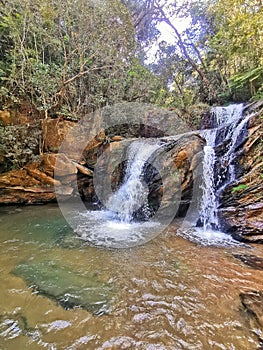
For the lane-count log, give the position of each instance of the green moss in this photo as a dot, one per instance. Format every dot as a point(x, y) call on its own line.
point(238, 188)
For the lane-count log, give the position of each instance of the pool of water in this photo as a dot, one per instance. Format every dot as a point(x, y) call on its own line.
point(59, 292)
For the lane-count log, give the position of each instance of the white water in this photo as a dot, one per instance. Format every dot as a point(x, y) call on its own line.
point(115, 227)
point(133, 193)
point(103, 228)
point(227, 116)
point(208, 207)
point(231, 118)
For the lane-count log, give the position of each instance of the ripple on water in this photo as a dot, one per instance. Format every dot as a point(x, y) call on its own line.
point(168, 293)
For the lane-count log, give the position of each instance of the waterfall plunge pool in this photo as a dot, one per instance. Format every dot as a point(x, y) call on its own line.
point(59, 292)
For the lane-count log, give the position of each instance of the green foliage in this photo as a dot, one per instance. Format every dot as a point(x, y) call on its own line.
point(19, 145)
point(63, 59)
point(247, 84)
point(239, 188)
point(142, 85)
point(237, 46)
point(70, 60)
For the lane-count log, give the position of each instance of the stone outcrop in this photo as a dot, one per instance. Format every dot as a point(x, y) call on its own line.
point(242, 202)
point(179, 157)
point(31, 151)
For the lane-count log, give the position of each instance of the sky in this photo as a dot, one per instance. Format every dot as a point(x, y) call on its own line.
point(167, 33)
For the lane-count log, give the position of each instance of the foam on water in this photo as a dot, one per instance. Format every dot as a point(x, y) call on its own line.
point(103, 228)
point(209, 237)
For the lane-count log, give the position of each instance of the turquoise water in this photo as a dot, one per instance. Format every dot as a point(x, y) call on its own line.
point(58, 292)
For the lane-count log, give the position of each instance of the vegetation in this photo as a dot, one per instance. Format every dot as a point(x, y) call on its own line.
point(69, 58)
point(239, 188)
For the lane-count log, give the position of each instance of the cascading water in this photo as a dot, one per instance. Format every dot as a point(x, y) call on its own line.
point(114, 226)
point(223, 138)
point(208, 207)
point(133, 193)
point(219, 169)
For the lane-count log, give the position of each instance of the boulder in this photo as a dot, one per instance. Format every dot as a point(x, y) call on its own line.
point(54, 132)
point(72, 150)
point(34, 183)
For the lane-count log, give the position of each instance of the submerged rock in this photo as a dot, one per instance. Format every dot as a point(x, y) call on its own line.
point(251, 260)
point(67, 287)
point(252, 303)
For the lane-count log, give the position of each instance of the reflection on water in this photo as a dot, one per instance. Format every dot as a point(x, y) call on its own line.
point(169, 293)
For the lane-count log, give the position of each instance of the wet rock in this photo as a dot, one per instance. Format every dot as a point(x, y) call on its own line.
point(78, 153)
point(251, 260)
point(177, 159)
point(67, 287)
point(241, 207)
point(253, 303)
point(252, 309)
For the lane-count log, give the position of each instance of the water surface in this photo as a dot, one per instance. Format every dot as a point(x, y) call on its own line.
point(169, 293)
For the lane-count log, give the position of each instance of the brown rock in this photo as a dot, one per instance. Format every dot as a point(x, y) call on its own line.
point(64, 166)
point(83, 169)
point(41, 176)
point(252, 301)
point(242, 203)
point(5, 118)
point(54, 132)
point(117, 138)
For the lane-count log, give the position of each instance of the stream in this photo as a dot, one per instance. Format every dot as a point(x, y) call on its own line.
point(169, 293)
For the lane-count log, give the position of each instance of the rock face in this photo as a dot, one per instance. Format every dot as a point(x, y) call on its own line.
point(29, 153)
point(242, 202)
point(179, 159)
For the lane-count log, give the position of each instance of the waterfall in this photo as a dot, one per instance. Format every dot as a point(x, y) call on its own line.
point(218, 166)
point(133, 193)
point(208, 207)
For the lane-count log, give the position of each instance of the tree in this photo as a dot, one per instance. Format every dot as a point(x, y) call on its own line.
point(236, 49)
point(65, 59)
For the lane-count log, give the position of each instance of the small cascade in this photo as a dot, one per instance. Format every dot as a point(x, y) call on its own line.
point(133, 193)
point(219, 160)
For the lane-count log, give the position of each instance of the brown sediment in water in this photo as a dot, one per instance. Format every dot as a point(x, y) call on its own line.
point(168, 294)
